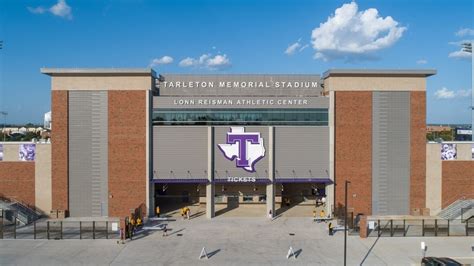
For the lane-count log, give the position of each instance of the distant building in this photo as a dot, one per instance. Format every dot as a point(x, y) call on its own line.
point(463, 134)
point(431, 129)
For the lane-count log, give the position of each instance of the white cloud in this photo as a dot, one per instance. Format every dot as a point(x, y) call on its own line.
point(219, 61)
point(165, 60)
point(60, 9)
point(351, 33)
point(422, 62)
point(37, 10)
point(295, 47)
point(292, 48)
point(444, 93)
point(187, 62)
point(460, 55)
point(465, 32)
point(464, 93)
point(304, 47)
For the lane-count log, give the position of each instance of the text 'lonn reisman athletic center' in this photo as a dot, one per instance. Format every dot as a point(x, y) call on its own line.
point(258, 145)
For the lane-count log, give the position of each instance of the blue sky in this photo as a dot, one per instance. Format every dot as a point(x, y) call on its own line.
point(234, 37)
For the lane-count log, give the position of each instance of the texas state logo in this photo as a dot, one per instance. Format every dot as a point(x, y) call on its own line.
point(245, 147)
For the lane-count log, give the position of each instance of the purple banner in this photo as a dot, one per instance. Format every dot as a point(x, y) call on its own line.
point(27, 152)
point(448, 151)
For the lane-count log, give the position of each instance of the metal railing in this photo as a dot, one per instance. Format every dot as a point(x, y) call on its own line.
point(60, 230)
point(419, 227)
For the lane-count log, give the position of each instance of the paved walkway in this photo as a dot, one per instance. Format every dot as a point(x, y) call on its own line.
point(235, 241)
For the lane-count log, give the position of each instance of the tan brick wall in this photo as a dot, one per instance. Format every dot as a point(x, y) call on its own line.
point(418, 150)
point(127, 151)
point(353, 149)
point(375, 83)
point(59, 150)
point(457, 182)
point(17, 181)
point(101, 82)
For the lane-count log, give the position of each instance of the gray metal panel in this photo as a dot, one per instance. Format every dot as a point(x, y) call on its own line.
point(390, 153)
point(179, 149)
point(88, 153)
point(224, 168)
point(271, 80)
point(301, 152)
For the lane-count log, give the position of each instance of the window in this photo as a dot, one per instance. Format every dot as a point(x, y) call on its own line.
point(293, 117)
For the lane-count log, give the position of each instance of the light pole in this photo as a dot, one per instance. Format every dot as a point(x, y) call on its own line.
point(467, 47)
point(345, 223)
point(4, 122)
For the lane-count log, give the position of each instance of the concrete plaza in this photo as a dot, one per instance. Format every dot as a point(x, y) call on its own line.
point(235, 241)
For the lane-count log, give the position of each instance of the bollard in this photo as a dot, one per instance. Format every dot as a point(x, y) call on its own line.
point(448, 227)
point(47, 229)
point(467, 227)
point(423, 227)
point(436, 227)
point(14, 228)
point(61, 228)
point(107, 230)
point(404, 230)
point(378, 221)
point(391, 227)
point(80, 230)
point(1, 226)
point(34, 229)
point(93, 229)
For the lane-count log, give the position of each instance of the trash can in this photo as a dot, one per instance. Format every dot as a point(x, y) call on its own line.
point(61, 214)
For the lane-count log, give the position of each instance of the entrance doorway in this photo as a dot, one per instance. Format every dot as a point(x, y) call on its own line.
point(300, 199)
point(240, 200)
point(171, 198)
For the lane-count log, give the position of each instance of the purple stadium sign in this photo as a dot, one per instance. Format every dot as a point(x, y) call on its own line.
point(245, 147)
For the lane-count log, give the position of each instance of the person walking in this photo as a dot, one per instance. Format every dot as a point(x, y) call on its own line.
point(165, 231)
point(331, 229)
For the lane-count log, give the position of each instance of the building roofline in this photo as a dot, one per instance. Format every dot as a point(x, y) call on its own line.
point(379, 72)
point(98, 71)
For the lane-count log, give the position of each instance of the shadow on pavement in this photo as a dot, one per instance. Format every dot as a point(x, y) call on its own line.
point(210, 254)
point(370, 250)
point(298, 252)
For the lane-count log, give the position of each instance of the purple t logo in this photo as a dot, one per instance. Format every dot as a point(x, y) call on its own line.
point(246, 147)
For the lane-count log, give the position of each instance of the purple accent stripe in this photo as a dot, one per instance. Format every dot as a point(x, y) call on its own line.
point(257, 180)
point(178, 180)
point(304, 180)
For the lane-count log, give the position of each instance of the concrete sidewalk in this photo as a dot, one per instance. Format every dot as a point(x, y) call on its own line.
point(235, 241)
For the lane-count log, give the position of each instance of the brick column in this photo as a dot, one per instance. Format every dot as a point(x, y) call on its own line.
point(363, 230)
point(59, 150)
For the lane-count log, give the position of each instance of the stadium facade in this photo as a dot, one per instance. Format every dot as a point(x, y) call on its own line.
point(128, 139)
